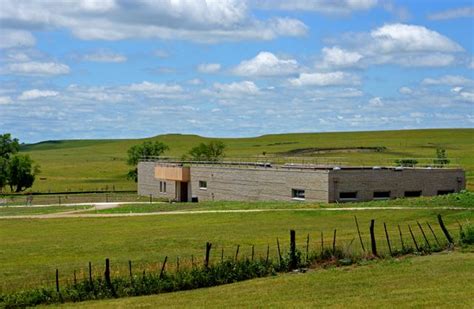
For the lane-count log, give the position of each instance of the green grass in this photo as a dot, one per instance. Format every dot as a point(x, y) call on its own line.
point(439, 280)
point(31, 249)
point(25, 211)
point(100, 164)
point(462, 200)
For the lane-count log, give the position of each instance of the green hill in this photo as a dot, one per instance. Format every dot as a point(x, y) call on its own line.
point(98, 164)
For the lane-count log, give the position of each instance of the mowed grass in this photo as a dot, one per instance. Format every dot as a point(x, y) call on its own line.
point(24, 211)
point(441, 280)
point(101, 164)
point(461, 200)
point(31, 249)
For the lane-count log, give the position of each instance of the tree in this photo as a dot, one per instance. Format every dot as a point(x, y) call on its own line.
point(441, 157)
point(8, 146)
point(146, 149)
point(21, 172)
point(406, 162)
point(213, 151)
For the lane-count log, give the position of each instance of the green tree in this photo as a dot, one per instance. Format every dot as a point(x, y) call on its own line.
point(146, 149)
point(21, 172)
point(212, 151)
point(8, 147)
point(441, 157)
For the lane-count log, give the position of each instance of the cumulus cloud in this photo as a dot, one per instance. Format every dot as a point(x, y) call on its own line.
point(34, 94)
point(463, 12)
point(196, 20)
point(339, 57)
point(36, 68)
point(5, 100)
point(322, 6)
point(16, 38)
point(155, 90)
point(209, 68)
point(234, 89)
point(405, 90)
point(376, 102)
point(104, 56)
point(325, 79)
point(266, 64)
point(449, 80)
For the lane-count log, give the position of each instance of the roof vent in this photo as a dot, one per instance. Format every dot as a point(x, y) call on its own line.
point(336, 168)
point(376, 168)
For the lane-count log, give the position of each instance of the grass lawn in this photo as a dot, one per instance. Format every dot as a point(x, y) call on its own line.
point(464, 200)
point(100, 164)
point(31, 249)
point(441, 280)
point(24, 211)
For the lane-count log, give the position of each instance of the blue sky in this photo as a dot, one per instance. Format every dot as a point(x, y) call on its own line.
point(127, 69)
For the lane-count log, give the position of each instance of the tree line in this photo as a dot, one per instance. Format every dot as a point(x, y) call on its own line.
point(17, 171)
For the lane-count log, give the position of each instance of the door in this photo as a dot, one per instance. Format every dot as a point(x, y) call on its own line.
point(183, 190)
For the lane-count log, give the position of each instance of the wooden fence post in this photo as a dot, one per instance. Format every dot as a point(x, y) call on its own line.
point(237, 253)
point(334, 243)
point(253, 251)
point(445, 230)
point(307, 248)
point(434, 235)
point(413, 238)
point(90, 273)
point(57, 280)
point(360, 236)
point(107, 272)
point(279, 252)
point(130, 270)
point(268, 254)
point(372, 237)
point(162, 272)
point(401, 237)
point(208, 250)
point(177, 264)
point(293, 261)
point(388, 239)
point(424, 236)
point(322, 243)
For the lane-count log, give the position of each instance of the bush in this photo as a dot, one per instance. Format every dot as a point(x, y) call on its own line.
point(466, 234)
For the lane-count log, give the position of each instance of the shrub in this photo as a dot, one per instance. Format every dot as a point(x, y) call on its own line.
point(466, 234)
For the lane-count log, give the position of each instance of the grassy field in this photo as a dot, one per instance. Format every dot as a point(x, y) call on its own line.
point(32, 249)
point(23, 211)
point(100, 164)
point(408, 282)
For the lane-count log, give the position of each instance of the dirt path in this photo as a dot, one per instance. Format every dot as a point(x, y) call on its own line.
point(78, 214)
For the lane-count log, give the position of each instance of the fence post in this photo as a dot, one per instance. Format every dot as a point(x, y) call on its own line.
point(293, 261)
point(57, 280)
point(424, 236)
point(388, 239)
point(75, 278)
point(237, 253)
point(90, 273)
point(177, 264)
point(413, 238)
point(360, 236)
point(151, 198)
point(253, 252)
point(307, 248)
point(434, 235)
point(163, 267)
point(279, 252)
point(445, 230)
point(222, 254)
point(130, 270)
point(107, 276)
point(334, 243)
point(322, 244)
point(208, 250)
point(401, 237)
point(268, 254)
point(372, 237)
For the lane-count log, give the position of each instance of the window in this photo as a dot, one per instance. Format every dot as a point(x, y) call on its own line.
point(347, 196)
point(162, 186)
point(444, 192)
point(412, 193)
point(381, 195)
point(202, 185)
point(297, 194)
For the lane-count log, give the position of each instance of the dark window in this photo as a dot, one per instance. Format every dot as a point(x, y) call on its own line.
point(347, 195)
point(444, 192)
point(202, 184)
point(164, 186)
point(382, 194)
point(412, 193)
point(297, 193)
point(161, 186)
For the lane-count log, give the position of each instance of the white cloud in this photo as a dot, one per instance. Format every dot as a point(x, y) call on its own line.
point(5, 100)
point(149, 87)
point(36, 94)
point(196, 20)
point(37, 68)
point(376, 102)
point(266, 64)
point(463, 12)
point(16, 38)
point(322, 6)
point(325, 79)
point(105, 56)
point(339, 57)
point(405, 90)
point(209, 68)
point(234, 89)
point(411, 38)
point(449, 80)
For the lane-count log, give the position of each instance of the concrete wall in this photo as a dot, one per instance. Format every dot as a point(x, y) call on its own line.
point(365, 182)
point(250, 183)
point(148, 184)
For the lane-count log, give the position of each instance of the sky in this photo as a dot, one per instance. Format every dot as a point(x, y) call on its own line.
point(138, 68)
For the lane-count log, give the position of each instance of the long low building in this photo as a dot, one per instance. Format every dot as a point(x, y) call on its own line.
point(226, 181)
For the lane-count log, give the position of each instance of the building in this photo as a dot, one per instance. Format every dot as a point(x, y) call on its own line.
point(182, 181)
